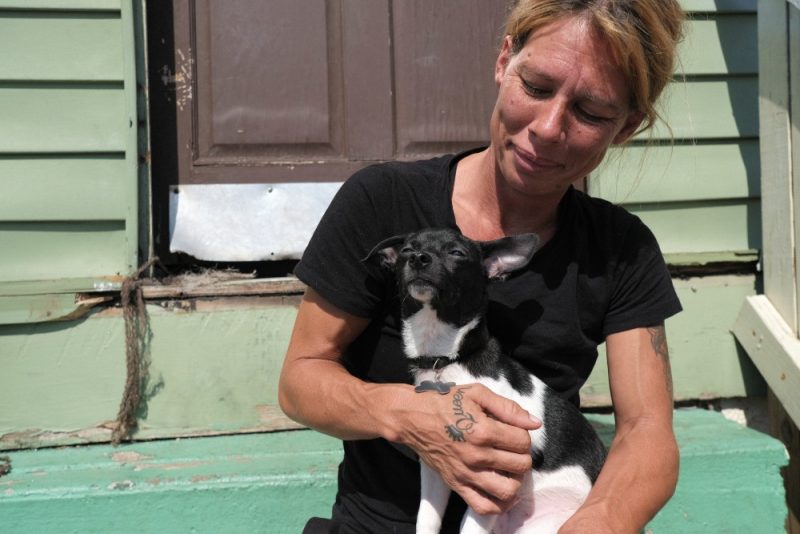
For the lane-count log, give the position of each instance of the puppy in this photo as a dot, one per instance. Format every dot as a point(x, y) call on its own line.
point(442, 279)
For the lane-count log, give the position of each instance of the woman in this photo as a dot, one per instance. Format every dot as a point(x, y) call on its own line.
point(574, 77)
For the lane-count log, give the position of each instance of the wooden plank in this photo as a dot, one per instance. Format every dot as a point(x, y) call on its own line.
point(794, 110)
point(187, 288)
point(47, 308)
point(724, 44)
point(774, 349)
point(708, 226)
point(60, 47)
point(368, 81)
point(37, 251)
point(709, 109)
point(62, 5)
point(130, 120)
point(706, 171)
point(61, 285)
point(64, 118)
point(232, 349)
point(776, 187)
point(63, 189)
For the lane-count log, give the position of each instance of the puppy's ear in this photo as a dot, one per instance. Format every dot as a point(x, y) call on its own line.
point(508, 254)
point(385, 252)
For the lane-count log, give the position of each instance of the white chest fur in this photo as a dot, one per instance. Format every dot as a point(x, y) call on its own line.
point(424, 334)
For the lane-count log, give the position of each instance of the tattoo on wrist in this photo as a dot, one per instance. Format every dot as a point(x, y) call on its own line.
point(464, 422)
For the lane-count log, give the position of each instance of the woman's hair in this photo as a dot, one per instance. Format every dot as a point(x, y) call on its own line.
point(643, 36)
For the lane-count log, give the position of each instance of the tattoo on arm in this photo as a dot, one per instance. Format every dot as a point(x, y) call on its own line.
point(658, 339)
point(464, 422)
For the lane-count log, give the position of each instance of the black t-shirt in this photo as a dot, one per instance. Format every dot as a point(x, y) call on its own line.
point(601, 273)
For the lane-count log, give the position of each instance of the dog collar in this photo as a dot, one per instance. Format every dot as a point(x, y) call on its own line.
point(431, 362)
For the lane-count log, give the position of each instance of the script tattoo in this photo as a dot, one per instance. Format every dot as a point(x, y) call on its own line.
point(463, 425)
point(658, 339)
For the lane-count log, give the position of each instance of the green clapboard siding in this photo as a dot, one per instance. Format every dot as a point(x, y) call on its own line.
point(723, 45)
point(703, 226)
point(68, 152)
point(719, 6)
point(56, 47)
point(63, 188)
point(64, 118)
point(45, 250)
point(707, 171)
point(709, 109)
point(62, 5)
point(697, 182)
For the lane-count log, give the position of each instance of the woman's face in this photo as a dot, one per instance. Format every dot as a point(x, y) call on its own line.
point(562, 101)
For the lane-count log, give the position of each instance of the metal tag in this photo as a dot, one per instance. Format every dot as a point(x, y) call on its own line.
point(443, 388)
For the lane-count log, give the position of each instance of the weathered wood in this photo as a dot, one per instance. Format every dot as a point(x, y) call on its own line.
point(776, 172)
point(273, 286)
point(214, 365)
point(794, 162)
point(729, 482)
point(774, 349)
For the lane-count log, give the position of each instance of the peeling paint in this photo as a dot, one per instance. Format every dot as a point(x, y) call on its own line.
point(184, 64)
point(129, 457)
point(121, 485)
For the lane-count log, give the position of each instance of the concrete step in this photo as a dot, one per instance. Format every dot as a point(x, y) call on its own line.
point(730, 482)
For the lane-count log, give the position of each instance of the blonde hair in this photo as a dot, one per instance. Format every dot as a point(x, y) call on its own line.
point(643, 36)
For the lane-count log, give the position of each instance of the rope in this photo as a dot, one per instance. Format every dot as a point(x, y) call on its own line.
point(136, 329)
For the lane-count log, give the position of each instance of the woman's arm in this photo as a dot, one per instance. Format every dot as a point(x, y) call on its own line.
point(316, 390)
point(641, 471)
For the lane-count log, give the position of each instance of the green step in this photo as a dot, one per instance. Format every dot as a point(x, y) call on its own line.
point(730, 482)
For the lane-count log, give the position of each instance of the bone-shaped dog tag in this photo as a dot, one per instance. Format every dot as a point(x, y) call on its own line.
point(443, 388)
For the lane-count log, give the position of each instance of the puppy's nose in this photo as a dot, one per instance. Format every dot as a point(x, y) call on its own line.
point(419, 259)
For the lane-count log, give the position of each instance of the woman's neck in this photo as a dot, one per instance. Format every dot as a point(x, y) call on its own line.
point(486, 209)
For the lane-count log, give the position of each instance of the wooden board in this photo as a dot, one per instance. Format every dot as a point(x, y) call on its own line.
point(37, 188)
point(47, 250)
point(707, 171)
point(61, 46)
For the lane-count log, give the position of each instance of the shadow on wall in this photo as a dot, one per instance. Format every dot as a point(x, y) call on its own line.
point(739, 40)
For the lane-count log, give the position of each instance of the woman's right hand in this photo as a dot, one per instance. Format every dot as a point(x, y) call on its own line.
point(476, 440)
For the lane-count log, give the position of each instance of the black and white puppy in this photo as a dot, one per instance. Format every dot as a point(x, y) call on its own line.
point(442, 278)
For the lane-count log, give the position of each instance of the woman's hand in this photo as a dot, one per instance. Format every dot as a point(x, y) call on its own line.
point(476, 440)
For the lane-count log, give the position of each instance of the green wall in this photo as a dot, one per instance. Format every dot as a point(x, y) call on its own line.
point(68, 149)
point(214, 364)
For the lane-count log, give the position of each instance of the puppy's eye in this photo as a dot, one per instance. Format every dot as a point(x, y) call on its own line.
point(458, 253)
point(406, 250)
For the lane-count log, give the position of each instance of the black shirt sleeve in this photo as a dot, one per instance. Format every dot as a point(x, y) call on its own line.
point(642, 293)
point(332, 263)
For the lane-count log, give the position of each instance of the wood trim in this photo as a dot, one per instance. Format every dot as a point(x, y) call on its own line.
point(773, 348)
point(777, 213)
point(794, 158)
point(273, 286)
